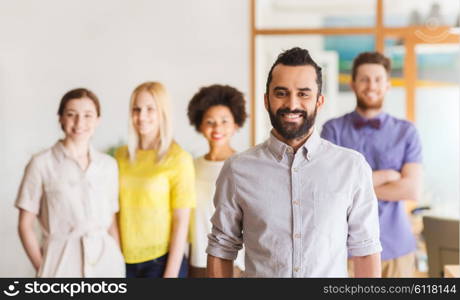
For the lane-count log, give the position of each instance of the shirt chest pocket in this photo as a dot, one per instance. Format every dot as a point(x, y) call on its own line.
point(330, 210)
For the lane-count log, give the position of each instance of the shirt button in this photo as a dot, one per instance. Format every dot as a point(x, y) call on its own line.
point(295, 169)
point(295, 202)
point(297, 236)
point(296, 269)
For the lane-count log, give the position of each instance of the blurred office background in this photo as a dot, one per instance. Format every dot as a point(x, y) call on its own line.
point(50, 46)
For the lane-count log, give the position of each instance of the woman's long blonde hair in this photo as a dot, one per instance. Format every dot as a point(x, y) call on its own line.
point(162, 101)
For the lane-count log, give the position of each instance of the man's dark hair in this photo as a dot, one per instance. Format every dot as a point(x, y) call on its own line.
point(296, 57)
point(216, 95)
point(370, 58)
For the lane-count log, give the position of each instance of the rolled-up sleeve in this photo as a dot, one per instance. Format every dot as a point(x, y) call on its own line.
point(413, 151)
point(363, 219)
point(225, 239)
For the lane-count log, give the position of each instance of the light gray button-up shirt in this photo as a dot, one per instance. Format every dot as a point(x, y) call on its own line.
point(298, 214)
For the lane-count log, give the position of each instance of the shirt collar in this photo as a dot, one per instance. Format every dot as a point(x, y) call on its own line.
point(355, 116)
point(61, 153)
point(309, 148)
point(312, 144)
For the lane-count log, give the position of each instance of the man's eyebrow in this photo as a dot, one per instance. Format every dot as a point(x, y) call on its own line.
point(282, 88)
point(305, 89)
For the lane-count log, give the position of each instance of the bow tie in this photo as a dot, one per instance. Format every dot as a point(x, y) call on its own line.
point(374, 123)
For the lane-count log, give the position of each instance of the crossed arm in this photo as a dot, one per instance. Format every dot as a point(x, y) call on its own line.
point(391, 185)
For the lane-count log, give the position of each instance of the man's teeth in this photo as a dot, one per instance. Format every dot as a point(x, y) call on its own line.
point(292, 116)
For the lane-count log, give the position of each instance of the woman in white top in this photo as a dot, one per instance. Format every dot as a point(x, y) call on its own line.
point(73, 190)
point(216, 112)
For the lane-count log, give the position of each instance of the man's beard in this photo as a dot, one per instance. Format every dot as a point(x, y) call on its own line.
point(365, 106)
point(290, 130)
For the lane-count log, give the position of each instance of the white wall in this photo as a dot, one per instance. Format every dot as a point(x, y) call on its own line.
point(50, 46)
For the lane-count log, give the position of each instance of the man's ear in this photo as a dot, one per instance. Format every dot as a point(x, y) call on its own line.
point(388, 82)
point(320, 102)
point(352, 85)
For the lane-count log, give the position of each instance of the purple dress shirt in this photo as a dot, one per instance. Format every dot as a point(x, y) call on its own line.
point(391, 146)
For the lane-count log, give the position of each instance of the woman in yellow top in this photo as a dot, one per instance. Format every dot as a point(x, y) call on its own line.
point(157, 189)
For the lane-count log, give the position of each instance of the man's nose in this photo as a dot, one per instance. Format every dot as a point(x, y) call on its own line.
point(372, 84)
point(293, 102)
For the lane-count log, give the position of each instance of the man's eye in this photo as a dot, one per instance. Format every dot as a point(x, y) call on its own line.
point(136, 109)
point(303, 95)
point(280, 94)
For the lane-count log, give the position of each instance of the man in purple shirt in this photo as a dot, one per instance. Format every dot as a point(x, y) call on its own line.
point(392, 148)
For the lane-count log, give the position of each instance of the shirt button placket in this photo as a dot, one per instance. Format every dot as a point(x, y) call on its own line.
point(297, 242)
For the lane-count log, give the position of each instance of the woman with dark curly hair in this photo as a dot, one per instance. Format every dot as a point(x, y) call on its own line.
point(217, 112)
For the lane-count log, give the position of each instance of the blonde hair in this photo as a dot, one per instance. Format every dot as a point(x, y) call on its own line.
point(164, 135)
